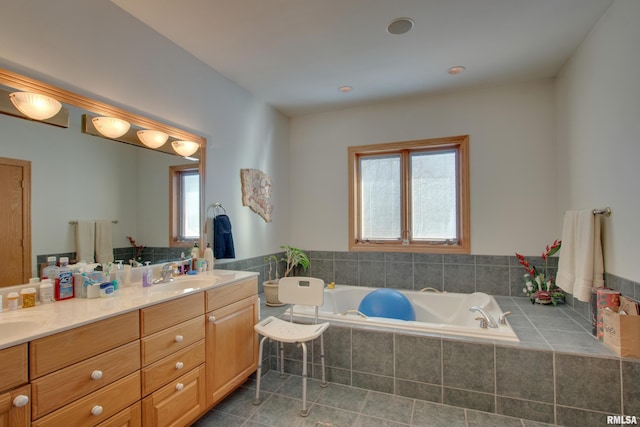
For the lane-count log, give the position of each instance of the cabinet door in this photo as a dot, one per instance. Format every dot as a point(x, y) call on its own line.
point(232, 347)
point(178, 403)
point(15, 407)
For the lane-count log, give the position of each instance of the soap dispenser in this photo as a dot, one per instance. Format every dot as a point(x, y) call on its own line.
point(208, 256)
point(147, 275)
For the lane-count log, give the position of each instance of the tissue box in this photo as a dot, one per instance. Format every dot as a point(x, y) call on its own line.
point(622, 331)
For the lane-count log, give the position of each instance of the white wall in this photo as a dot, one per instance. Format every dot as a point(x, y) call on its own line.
point(97, 49)
point(512, 161)
point(598, 128)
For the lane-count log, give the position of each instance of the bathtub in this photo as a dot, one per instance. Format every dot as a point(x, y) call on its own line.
point(438, 313)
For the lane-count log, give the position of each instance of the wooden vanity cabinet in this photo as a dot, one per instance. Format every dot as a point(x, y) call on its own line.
point(173, 357)
point(231, 341)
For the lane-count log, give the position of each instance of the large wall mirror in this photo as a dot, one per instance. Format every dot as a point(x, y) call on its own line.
point(70, 174)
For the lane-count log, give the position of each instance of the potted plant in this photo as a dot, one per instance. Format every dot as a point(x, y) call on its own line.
point(293, 258)
point(540, 286)
point(271, 285)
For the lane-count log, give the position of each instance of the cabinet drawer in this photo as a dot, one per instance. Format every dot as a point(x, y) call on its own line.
point(97, 406)
point(130, 417)
point(57, 351)
point(171, 367)
point(228, 294)
point(13, 367)
point(161, 316)
point(178, 403)
point(66, 385)
point(161, 344)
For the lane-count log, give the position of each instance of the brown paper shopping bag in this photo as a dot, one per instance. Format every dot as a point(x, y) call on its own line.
point(622, 332)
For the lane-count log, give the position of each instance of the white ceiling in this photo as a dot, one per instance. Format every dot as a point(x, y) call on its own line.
point(294, 54)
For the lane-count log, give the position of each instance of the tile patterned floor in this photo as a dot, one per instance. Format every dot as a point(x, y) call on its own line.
point(340, 406)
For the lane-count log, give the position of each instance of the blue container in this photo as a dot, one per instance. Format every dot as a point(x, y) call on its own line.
point(387, 303)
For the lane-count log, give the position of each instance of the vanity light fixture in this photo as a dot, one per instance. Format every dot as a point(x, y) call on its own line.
point(110, 126)
point(34, 105)
point(152, 138)
point(185, 148)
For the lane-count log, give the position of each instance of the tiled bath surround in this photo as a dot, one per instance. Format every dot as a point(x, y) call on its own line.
point(556, 374)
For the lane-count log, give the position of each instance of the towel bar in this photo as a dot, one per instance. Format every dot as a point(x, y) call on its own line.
point(115, 221)
point(606, 211)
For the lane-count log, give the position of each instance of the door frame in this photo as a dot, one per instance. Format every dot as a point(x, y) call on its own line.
point(26, 213)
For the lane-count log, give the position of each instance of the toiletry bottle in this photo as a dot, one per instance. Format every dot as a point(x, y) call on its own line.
point(63, 288)
point(195, 254)
point(12, 301)
point(147, 276)
point(51, 270)
point(208, 256)
point(46, 291)
point(28, 297)
point(117, 281)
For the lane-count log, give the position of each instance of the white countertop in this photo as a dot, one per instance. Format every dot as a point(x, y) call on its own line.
point(26, 324)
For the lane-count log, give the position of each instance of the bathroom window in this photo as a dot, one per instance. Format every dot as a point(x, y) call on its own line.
point(410, 196)
point(185, 205)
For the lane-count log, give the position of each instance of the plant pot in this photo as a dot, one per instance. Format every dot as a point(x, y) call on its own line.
point(271, 294)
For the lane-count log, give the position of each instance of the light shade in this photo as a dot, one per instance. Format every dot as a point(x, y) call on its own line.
point(34, 105)
point(110, 126)
point(152, 138)
point(185, 148)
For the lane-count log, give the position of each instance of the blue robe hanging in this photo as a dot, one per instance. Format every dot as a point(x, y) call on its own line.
point(222, 238)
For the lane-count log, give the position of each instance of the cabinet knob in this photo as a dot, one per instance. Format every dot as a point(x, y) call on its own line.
point(20, 401)
point(179, 386)
point(96, 410)
point(212, 319)
point(179, 338)
point(179, 365)
point(96, 375)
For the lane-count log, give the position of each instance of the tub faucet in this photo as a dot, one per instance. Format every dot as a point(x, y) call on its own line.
point(486, 317)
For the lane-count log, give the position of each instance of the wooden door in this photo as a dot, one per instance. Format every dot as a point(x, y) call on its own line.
point(15, 221)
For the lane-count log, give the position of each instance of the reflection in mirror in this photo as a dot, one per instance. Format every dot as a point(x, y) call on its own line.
point(78, 176)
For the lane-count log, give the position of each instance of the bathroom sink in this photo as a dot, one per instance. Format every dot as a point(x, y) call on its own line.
point(23, 322)
point(181, 285)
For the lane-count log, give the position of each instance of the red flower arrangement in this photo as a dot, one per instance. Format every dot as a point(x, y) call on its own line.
point(138, 249)
point(538, 286)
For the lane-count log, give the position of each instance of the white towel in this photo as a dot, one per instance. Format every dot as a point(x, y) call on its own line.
point(85, 240)
point(580, 267)
point(104, 245)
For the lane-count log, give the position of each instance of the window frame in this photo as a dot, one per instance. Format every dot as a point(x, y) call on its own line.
point(460, 144)
point(175, 198)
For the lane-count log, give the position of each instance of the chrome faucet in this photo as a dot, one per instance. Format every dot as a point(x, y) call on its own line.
point(486, 318)
point(166, 274)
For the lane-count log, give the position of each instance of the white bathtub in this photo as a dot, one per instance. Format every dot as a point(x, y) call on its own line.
point(440, 313)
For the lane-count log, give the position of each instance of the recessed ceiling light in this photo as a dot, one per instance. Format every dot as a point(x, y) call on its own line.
point(400, 26)
point(345, 89)
point(456, 70)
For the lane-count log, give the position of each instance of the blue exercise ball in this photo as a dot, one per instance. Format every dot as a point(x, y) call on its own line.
point(387, 303)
